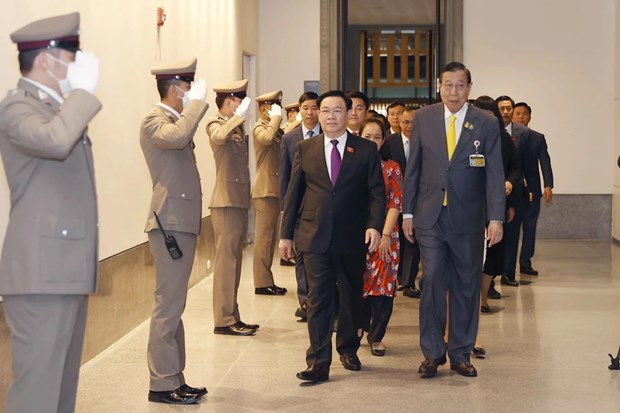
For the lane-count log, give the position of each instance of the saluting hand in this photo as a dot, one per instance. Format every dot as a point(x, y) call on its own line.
point(83, 73)
point(276, 110)
point(198, 91)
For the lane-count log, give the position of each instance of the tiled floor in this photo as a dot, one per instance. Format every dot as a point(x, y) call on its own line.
point(547, 345)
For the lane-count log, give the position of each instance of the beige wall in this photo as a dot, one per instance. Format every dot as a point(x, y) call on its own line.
point(616, 149)
point(559, 57)
point(124, 35)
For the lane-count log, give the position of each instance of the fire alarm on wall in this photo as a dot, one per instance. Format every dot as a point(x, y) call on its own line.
point(161, 16)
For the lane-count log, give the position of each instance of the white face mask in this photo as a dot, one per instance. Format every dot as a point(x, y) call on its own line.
point(63, 84)
point(185, 98)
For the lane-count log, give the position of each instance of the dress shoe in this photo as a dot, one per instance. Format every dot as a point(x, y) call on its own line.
point(485, 309)
point(428, 368)
point(528, 271)
point(494, 294)
point(234, 330)
point(287, 263)
point(479, 352)
point(271, 290)
point(509, 282)
point(399, 287)
point(198, 391)
point(301, 313)
point(241, 324)
point(173, 397)
point(350, 361)
point(313, 375)
point(464, 369)
point(377, 349)
point(411, 292)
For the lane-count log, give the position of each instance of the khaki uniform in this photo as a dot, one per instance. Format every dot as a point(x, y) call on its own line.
point(229, 213)
point(168, 147)
point(49, 257)
point(265, 195)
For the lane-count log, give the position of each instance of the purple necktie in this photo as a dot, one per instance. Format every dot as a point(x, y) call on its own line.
point(336, 161)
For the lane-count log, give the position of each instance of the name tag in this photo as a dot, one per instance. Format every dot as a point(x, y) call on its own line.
point(477, 161)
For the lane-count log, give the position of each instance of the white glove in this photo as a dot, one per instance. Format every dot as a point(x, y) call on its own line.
point(198, 91)
point(84, 72)
point(243, 107)
point(298, 117)
point(276, 110)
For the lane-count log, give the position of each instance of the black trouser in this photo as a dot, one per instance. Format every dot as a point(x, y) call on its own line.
point(376, 311)
point(409, 259)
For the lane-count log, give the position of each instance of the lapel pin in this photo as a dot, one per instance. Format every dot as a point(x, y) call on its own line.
point(350, 149)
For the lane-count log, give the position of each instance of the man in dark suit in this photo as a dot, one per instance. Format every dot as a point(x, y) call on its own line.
point(454, 183)
point(309, 127)
point(537, 155)
point(521, 137)
point(396, 148)
point(334, 206)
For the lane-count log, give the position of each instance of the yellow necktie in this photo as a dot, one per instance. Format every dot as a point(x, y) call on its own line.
point(451, 140)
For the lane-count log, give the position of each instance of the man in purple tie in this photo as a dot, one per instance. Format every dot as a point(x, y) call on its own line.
point(334, 209)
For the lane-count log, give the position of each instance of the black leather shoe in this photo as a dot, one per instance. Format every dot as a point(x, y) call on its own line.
point(350, 361)
point(528, 271)
point(313, 375)
point(509, 282)
point(172, 397)
point(411, 292)
point(287, 263)
point(494, 294)
point(464, 369)
point(479, 352)
point(301, 313)
point(241, 324)
point(428, 368)
point(272, 290)
point(485, 309)
point(198, 391)
point(234, 330)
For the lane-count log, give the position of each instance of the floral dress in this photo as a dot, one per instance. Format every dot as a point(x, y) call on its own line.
point(380, 275)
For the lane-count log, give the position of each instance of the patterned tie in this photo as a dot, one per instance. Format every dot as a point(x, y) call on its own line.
point(451, 140)
point(336, 161)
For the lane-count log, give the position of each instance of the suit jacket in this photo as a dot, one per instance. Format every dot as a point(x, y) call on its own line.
point(334, 217)
point(537, 154)
point(287, 154)
point(471, 191)
point(230, 151)
point(267, 138)
point(393, 149)
point(52, 236)
point(168, 147)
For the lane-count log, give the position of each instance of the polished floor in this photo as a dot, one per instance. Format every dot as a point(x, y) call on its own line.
point(547, 343)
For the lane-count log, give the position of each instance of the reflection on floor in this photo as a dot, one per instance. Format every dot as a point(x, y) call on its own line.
point(546, 342)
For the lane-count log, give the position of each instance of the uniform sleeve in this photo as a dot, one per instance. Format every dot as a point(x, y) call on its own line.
point(220, 134)
point(34, 135)
point(169, 135)
point(265, 134)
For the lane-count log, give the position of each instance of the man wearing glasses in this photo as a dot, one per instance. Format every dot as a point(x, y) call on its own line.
point(454, 186)
point(335, 208)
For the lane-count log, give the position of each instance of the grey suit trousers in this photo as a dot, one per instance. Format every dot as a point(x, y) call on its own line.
point(230, 226)
point(267, 213)
point(47, 335)
point(166, 348)
point(451, 262)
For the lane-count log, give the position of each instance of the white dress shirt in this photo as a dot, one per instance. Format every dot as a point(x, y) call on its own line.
point(342, 142)
point(315, 130)
point(169, 109)
point(46, 89)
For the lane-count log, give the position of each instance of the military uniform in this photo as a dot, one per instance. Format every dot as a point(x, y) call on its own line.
point(166, 138)
point(229, 208)
point(49, 257)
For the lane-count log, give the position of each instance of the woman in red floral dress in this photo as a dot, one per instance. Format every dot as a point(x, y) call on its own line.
point(382, 266)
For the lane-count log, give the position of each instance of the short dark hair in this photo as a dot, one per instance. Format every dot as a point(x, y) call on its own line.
point(393, 105)
point(335, 93)
point(220, 99)
point(307, 96)
point(359, 95)
point(524, 105)
point(487, 103)
point(376, 121)
point(26, 60)
point(505, 97)
point(163, 85)
point(455, 67)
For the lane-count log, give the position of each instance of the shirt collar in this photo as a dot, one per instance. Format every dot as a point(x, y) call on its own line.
point(46, 89)
point(169, 109)
point(341, 139)
point(305, 130)
point(459, 115)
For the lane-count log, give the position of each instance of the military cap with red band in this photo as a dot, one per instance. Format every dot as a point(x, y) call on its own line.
point(61, 32)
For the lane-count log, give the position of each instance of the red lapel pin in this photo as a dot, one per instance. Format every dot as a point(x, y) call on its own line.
point(350, 149)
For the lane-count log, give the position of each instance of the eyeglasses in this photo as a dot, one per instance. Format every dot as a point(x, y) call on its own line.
point(460, 87)
point(405, 122)
point(335, 112)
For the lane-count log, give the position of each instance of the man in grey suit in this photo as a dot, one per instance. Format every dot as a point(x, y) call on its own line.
point(454, 183)
point(49, 258)
point(166, 138)
point(308, 128)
